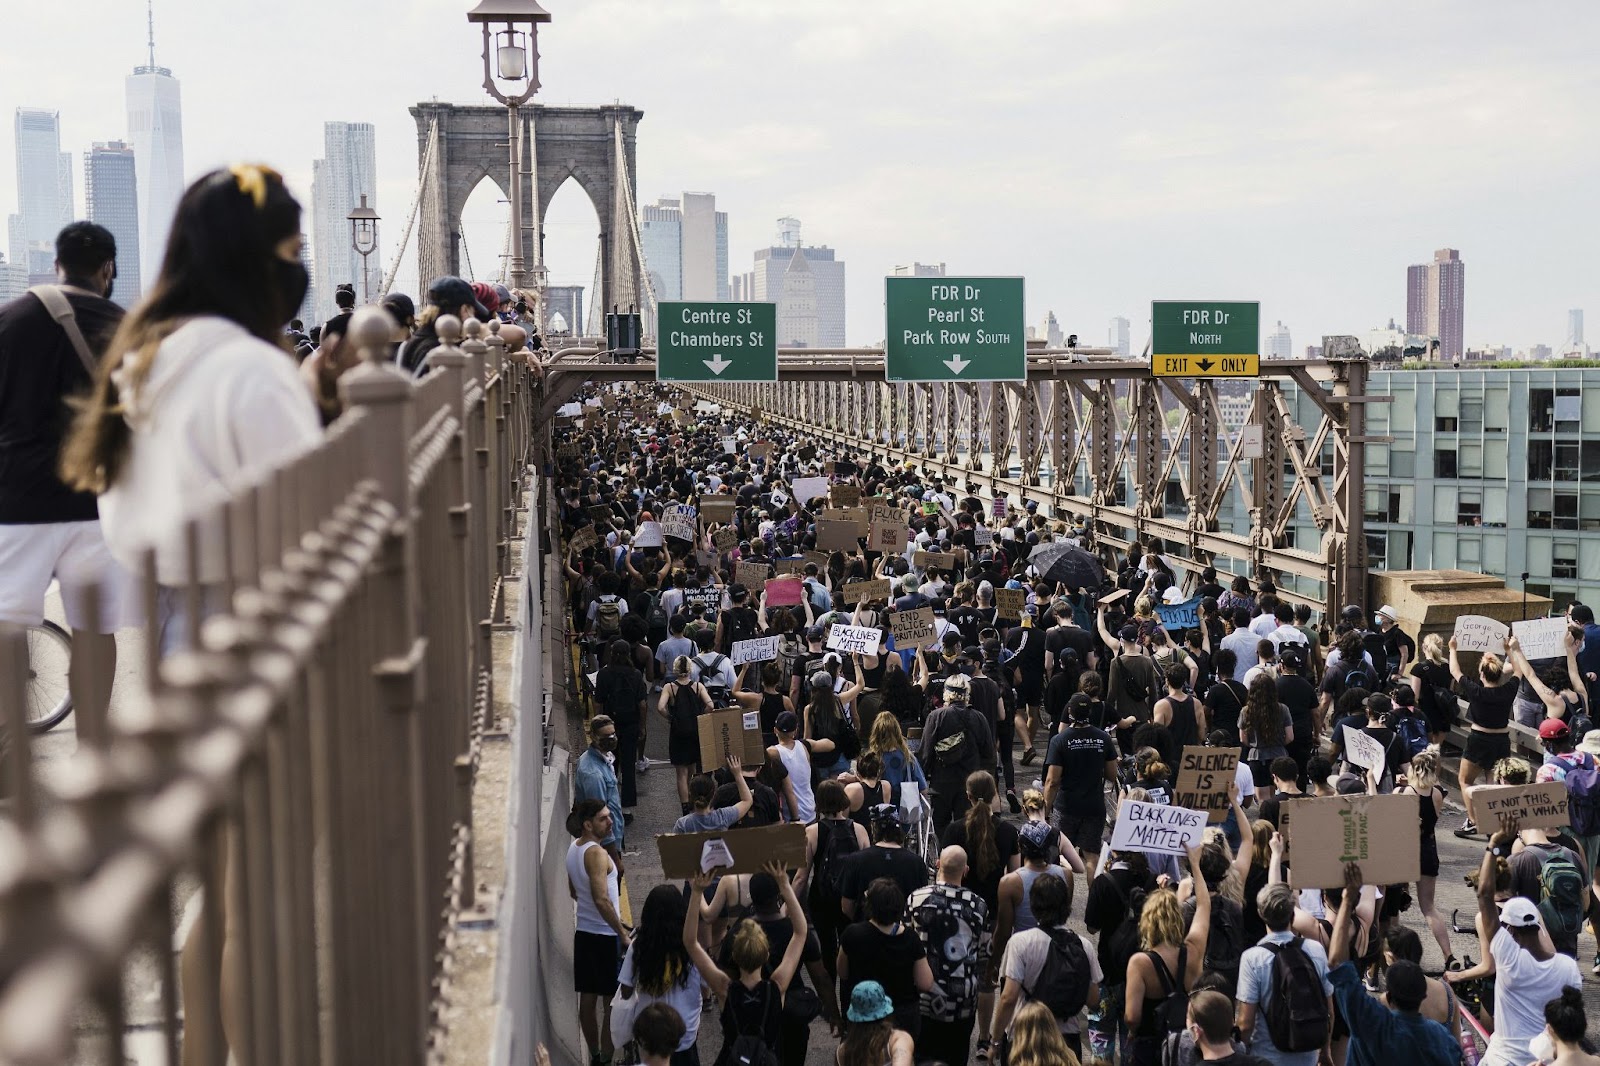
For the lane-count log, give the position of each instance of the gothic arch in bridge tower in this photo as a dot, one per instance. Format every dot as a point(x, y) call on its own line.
point(579, 143)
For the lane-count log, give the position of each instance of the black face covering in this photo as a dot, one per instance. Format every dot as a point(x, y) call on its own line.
point(293, 281)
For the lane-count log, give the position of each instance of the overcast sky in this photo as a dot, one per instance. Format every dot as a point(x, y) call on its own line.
point(1111, 151)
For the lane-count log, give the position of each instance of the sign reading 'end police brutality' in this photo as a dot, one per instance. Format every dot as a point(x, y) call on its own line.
point(1205, 339)
point(717, 342)
point(954, 329)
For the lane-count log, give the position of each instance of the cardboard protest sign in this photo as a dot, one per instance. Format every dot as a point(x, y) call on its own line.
point(886, 535)
point(982, 536)
point(806, 489)
point(1008, 603)
point(601, 513)
point(806, 453)
point(677, 520)
point(1536, 806)
point(1474, 632)
point(584, 538)
point(707, 596)
point(707, 559)
point(749, 849)
point(1113, 597)
point(733, 732)
point(836, 536)
point(1204, 775)
point(858, 515)
point(933, 560)
point(779, 497)
point(1367, 830)
point(716, 509)
point(912, 629)
point(1157, 827)
point(820, 558)
point(853, 640)
point(1179, 616)
point(754, 650)
point(844, 495)
point(1541, 638)
point(730, 446)
point(930, 508)
point(785, 591)
point(1363, 750)
point(760, 450)
point(845, 468)
point(568, 451)
point(725, 540)
point(649, 535)
point(856, 591)
point(789, 566)
point(998, 507)
point(750, 575)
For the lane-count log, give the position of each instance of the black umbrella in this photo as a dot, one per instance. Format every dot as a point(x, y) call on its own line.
point(1069, 564)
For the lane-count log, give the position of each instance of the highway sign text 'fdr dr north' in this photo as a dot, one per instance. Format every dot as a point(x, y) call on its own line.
point(1205, 339)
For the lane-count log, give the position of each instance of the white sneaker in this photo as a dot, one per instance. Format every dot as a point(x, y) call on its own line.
point(642, 765)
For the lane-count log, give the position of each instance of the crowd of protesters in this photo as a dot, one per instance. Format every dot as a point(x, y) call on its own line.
point(938, 906)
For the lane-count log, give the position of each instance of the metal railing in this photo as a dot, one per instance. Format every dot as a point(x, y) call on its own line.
point(306, 759)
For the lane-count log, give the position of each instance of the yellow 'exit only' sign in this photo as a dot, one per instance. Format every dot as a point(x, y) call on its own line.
point(1205, 366)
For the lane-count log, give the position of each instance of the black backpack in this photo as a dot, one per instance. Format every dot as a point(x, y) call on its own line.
point(1123, 941)
point(655, 621)
point(1172, 1013)
point(1132, 684)
point(1297, 1011)
point(738, 623)
point(1225, 943)
point(684, 711)
point(1063, 983)
point(953, 747)
point(750, 1049)
point(841, 841)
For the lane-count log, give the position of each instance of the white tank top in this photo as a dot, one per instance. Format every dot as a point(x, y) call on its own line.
point(589, 917)
point(798, 762)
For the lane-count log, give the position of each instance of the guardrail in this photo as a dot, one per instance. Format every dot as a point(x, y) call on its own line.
point(307, 758)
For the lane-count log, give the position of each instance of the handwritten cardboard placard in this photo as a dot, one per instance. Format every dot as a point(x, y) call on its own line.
point(856, 591)
point(725, 540)
point(754, 650)
point(750, 849)
point(584, 538)
point(649, 535)
point(760, 450)
point(998, 508)
point(789, 566)
point(836, 535)
point(806, 489)
point(1157, 827)
point(1474, 632)
point(1333, 830)
point(933, 560)
point(730, 446)
point(1008, 603)
point(1204, 775)
point(706, 558)
point(601, 513)
point(716, 509)
point(785, 591)
point(982, 536)
point(1536, 806)
point(853, 640)
point(677, 520)
point(1179, 616)
point(750, 575)
point(1113, 597)
point(707, 596)
point(858, 515)
point(884, 535)
point(1541, 638)
point(820, 558)
point(912, 629)
point(1363, 750)
point(844, 495)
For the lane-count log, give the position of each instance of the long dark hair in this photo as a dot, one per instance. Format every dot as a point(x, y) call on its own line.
point(660, 961)
point(1262, 713)
point(219, 261)
point(981, 849)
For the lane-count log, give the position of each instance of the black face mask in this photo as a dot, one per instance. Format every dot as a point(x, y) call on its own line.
point(293, 281)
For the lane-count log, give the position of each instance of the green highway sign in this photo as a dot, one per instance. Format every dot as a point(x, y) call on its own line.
point(717, 342)
point(954, 329)
point(1205, 338)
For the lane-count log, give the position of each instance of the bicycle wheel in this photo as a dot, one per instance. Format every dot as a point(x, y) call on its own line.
point(48, 694)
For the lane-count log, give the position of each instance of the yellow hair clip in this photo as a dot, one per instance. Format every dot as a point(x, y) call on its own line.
point(251, 178)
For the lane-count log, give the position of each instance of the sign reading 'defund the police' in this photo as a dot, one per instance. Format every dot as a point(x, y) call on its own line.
point(717, 342)
point(1205, 339)
point(954, 329)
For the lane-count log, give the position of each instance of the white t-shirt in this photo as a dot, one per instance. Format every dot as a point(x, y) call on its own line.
point(684, 998)
point(1523, 986)
point(1024, 962)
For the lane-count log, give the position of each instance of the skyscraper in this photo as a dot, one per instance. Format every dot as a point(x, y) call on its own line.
point(1574, 339)
point(1050, 331)
point(797, 306)
point(920, 270)
point(685, 244)
point(1279, 345)
point(348, 172)
point(44, 191)
point(766, 282)
point(112, 199)
point(1435, 299)
point(155, 126)
point(1117, 335)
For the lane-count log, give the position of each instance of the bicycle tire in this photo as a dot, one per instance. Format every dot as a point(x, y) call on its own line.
point(48, 701)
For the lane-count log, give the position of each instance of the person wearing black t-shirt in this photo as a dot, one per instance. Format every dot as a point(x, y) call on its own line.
point(1225, 700)
point(1080, 760)
point(1300, 696)
point(1489, 699)
point(886, 857)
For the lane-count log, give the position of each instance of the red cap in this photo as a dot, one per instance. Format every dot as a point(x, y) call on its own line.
point(1553, 729)
point(486, 295)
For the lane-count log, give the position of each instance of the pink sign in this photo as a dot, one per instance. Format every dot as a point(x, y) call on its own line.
point(785, 592)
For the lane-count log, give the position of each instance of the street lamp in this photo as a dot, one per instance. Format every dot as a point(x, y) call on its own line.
point(512, 56)
point(364, 239)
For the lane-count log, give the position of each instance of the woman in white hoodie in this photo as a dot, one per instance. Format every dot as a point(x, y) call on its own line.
point(202, 400)
point(204, 396)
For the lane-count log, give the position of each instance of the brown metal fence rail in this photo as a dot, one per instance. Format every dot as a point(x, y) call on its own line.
point(307, 758)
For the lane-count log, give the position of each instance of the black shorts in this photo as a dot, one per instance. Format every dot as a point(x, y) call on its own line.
point(595, 964)
point(1030, 691)
point(1486, 749)
point(1086, 831)
point(683, 749)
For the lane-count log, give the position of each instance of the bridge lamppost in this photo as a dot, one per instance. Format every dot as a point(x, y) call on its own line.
point(364, 240)
point(512, 56)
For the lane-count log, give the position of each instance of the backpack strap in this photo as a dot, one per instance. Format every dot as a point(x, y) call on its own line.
point(54, 298)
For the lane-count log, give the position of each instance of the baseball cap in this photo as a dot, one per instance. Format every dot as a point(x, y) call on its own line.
point(1033, 839)
point(1078, 706)
point(822, 680)
point(973, 652)
point(1519, 913)
point(1553, 729)
point(786, 722)
point(450, 292)
point(1128, 632)
point(1350, 613)
point(1389, 612)
point(1292, 654)
point(816, 633)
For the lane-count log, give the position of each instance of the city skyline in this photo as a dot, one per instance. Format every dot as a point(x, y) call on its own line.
point(111, 199)
point(1215, 183)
